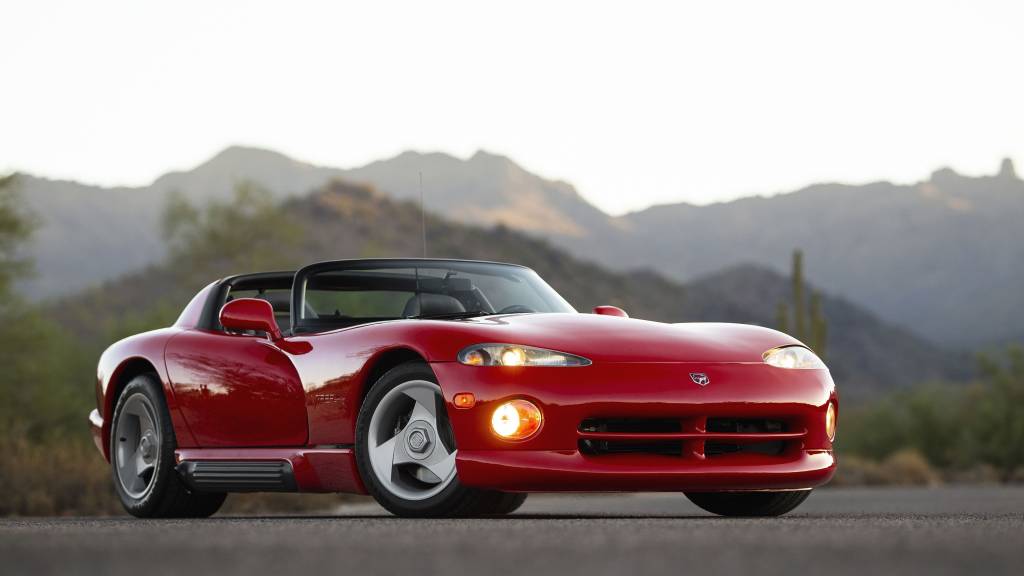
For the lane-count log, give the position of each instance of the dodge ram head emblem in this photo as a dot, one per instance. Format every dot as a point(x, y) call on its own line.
point(700, 378)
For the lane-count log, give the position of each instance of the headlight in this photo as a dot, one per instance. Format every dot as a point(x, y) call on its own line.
point(514, 355)
point(792, 357)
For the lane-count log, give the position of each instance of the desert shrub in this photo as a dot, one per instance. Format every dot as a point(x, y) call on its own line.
point(909, 467)
point(964, 431)
point(927, 419)
point(906, 467)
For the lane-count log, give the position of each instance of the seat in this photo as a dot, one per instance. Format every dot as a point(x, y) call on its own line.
point(432, 304)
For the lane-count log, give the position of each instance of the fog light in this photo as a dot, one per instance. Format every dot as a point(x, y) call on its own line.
point(516, 420)
point(830, 422)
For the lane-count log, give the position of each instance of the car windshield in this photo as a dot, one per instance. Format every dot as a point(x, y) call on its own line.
point(354, 292)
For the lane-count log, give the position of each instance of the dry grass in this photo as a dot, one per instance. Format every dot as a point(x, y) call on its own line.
point(57, 478)
point(902, 468)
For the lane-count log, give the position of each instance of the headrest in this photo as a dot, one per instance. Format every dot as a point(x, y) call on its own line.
point(432, 304)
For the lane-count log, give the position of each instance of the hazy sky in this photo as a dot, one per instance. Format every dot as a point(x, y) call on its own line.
point(634, 103)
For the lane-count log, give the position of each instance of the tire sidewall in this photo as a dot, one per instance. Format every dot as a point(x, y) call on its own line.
point(438, 504)
point(149, 386)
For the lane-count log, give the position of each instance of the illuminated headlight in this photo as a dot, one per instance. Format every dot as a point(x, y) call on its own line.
point(792, 357)
point(514, 355)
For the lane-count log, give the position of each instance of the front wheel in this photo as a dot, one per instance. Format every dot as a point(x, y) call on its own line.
point(748, 503)
point(405, 450)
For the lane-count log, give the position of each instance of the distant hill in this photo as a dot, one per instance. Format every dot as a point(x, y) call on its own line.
point(89, 234)
point(344, 220)
point(943, 258)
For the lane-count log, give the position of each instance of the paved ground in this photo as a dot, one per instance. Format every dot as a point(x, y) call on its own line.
point(856, 531)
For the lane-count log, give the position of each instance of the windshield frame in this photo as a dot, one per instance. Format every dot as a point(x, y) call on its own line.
point(304, 326)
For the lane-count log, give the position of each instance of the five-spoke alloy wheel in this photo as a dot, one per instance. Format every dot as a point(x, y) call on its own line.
point(411, 446)
point(406, 452)
point(136, 445)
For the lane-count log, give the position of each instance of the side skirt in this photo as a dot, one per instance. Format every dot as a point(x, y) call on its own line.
point(238, 475)
point(305, 469)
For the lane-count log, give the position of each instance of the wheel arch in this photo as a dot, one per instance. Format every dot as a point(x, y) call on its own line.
point(384, 361)
point(125, 372)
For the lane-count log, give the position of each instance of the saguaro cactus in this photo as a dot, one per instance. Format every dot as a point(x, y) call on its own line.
point(809, 324)
point(799, 324)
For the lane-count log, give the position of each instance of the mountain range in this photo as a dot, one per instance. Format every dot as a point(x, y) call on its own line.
point(942, 258)
point(342, 220)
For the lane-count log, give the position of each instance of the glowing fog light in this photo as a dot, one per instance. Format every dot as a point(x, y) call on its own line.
point(830, 422)
point(516, 420)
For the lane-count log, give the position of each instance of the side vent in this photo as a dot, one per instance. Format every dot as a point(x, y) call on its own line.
point(238, 475)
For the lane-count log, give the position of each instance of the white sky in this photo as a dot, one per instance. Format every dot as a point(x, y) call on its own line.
point(634, 103)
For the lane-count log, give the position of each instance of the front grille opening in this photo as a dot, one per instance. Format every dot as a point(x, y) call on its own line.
point(714, 448)
point(609, 447)
point(746, 425)
point(632, 425)
point(679, 447)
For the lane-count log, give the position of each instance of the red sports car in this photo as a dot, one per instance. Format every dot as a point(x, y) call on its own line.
point(452, 388)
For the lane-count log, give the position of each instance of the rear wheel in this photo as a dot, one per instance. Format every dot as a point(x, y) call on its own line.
point(142, 448)
point(405, 450)
point(748, 503)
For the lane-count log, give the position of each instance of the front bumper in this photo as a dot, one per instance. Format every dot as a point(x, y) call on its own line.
point(554, 461)
point(96, 428)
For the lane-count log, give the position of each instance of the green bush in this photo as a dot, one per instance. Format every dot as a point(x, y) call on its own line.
point(954, 428)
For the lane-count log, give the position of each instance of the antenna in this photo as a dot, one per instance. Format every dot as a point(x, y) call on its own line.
point(423, 217)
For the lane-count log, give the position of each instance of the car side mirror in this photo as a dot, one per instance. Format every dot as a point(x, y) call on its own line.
point(250, 314)
point(610, 311)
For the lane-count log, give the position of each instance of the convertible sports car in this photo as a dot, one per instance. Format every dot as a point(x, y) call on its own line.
point(453, 388)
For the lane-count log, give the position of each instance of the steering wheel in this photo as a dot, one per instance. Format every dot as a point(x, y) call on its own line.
point(517, 309)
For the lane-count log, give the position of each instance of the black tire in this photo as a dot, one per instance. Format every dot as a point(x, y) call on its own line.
point(166, 495)
point(508, 503)
point(748, 503)
point(456, 500)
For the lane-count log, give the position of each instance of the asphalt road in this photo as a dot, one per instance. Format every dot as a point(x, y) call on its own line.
point(837, 531)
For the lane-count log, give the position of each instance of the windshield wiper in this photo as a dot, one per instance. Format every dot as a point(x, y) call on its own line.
point(453, 315)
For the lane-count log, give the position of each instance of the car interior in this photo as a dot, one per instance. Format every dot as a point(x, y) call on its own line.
point(436, 296)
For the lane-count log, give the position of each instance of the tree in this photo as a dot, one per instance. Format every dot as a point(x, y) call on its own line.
point(15, 229)
point(34, 395)
point(249, 233)
point(997, 419)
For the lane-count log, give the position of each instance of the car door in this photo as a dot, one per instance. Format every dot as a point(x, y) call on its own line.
point(236, 390)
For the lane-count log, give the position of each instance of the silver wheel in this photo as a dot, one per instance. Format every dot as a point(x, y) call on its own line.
point(411, 446)
point(137, 446)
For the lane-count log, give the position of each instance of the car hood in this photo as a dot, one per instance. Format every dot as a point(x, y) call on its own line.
point(614, 339)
